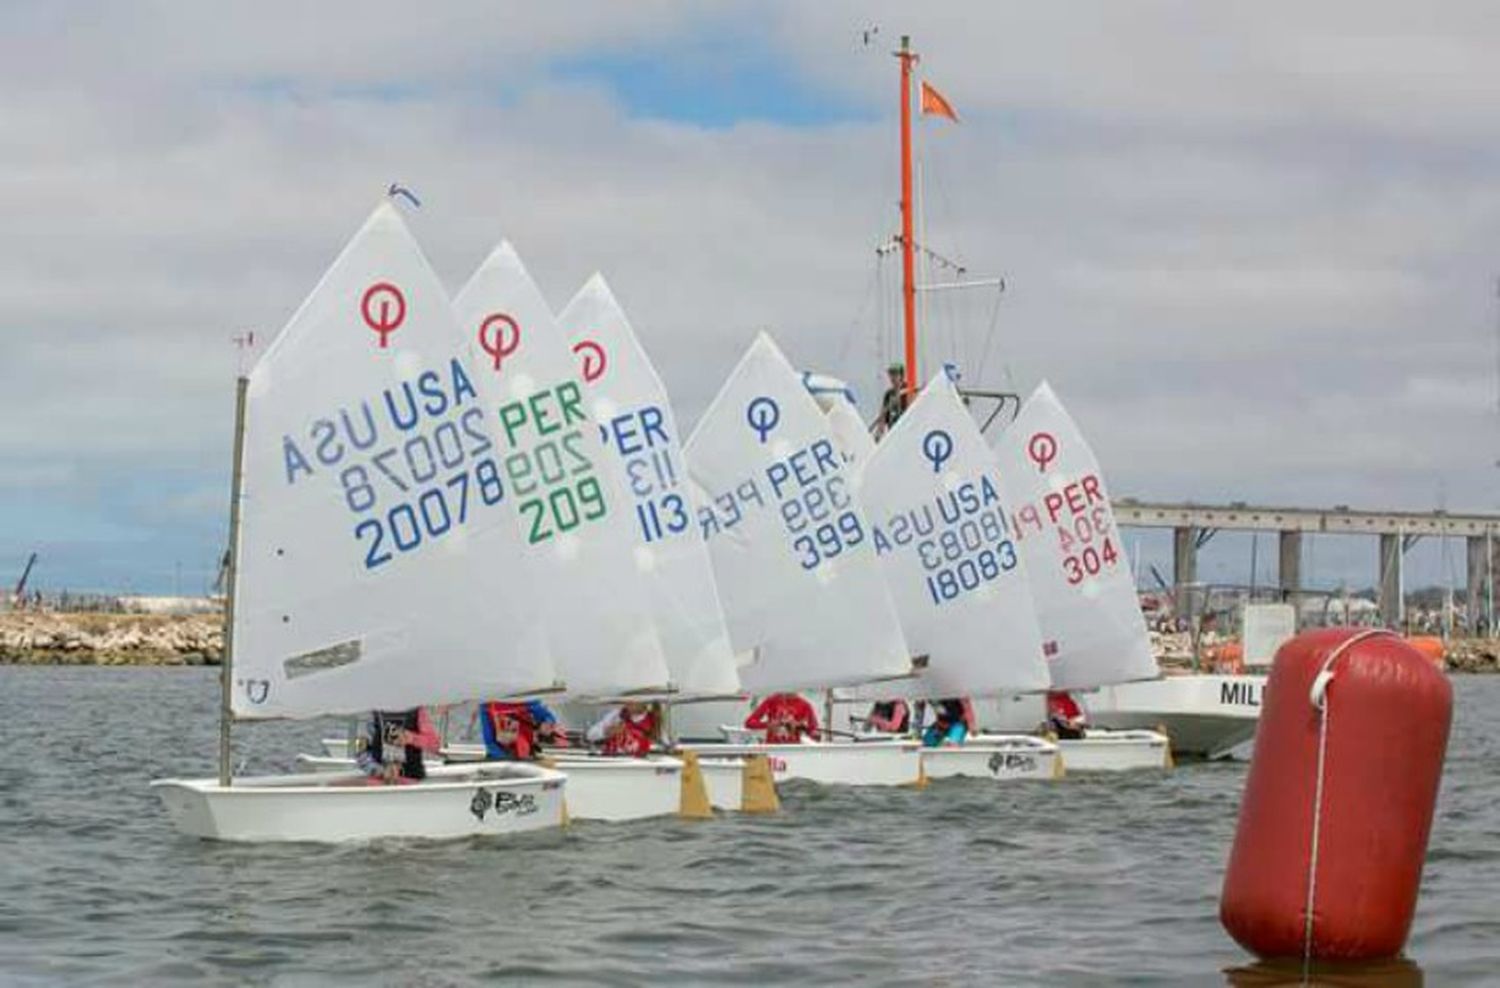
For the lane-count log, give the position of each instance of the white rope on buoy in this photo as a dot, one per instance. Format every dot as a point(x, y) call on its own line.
point(1318, 695)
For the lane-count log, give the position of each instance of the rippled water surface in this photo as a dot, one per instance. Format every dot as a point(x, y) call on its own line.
point(1088, 881)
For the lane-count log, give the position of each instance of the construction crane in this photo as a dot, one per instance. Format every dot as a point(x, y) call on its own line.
point(19, 594)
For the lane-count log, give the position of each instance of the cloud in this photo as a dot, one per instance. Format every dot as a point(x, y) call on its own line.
point(1252, 248)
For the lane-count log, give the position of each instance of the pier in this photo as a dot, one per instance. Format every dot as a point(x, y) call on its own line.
point(1193, 525)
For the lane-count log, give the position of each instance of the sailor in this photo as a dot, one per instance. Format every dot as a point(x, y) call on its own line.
point(391, 750)
point(1065, 717)
point(785, 717)
point(629, 729)
point(893, 403)
point(889, 717)
point(514, 731)
point(954, 718)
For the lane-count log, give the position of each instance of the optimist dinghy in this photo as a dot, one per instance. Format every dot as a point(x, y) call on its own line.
point(626, 396)
point(943, 536)
point(569, 499)
point(796, 568)
point(372, 564)
point(1093, 634)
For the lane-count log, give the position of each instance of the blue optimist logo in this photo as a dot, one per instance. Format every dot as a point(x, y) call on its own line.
point(763, 414)
point(937, 446)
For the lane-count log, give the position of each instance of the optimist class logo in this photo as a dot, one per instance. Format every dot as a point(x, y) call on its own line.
point(1042, 448)
point(591, 360)
point(937, 446)
point(383, 309)
point(499, 336)
point(763, 414)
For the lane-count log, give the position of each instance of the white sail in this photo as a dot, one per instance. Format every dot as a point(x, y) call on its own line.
point(790, 544)
point(850, 435)
point(1092, 630)
point(377, 566)
point(625, 395)
point(940, 526)
point(567, 497)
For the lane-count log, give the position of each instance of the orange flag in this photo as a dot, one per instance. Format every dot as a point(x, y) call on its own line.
point(935, 104)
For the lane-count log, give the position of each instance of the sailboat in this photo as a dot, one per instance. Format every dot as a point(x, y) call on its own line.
point(626, 396)
point(1092, 628)
point(795, 563)
point(575, 519)
point(943, 533)
point(372, 563)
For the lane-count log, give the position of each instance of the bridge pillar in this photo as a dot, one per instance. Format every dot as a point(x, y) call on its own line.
point(1289, 563)
point(1481, 566)
point(1184, 568)
point(1390, 579)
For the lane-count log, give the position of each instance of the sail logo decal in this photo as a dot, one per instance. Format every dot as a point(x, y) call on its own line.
point(499, 336)
point(937, 446)
point(763, 415)
point(383, 309)
point(591, 360)
point(256, 690)
point(1042, 449)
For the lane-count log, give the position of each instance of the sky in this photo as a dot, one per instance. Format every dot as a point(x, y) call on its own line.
point(1254, 247)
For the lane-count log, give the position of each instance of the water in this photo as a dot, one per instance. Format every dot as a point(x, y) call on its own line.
point(1091, 881)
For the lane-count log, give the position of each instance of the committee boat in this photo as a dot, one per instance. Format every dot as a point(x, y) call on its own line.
point(372, 565)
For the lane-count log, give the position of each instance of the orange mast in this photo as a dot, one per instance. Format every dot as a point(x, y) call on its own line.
point(908, 276)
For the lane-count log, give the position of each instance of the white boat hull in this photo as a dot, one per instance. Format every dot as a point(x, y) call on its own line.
point(451, 802)
point(618, 789)
point(849, 763)
point(599, 787)
point(998, 757)
point(1205, 716)
point(1117, 751)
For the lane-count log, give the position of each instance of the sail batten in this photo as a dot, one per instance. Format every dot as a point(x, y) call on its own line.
point(789, 541)
point(1093, 633)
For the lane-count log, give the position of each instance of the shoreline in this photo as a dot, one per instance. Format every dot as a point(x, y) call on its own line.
point(47, 638)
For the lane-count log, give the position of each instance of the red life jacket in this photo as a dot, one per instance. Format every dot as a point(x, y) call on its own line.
point(634, 736)
point(1062, 707)
point(780, 707)
point(507, 717)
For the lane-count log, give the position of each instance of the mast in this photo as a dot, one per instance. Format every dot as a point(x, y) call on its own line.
point(908, 275)
point(226, 673)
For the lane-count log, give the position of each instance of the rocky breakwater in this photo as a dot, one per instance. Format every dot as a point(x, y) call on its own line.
point(1474, 655)
point(46, 638)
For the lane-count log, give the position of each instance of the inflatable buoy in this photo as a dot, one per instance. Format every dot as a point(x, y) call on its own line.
point(1338, 802)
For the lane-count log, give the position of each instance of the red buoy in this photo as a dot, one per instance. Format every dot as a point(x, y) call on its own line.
point(1338, 804)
